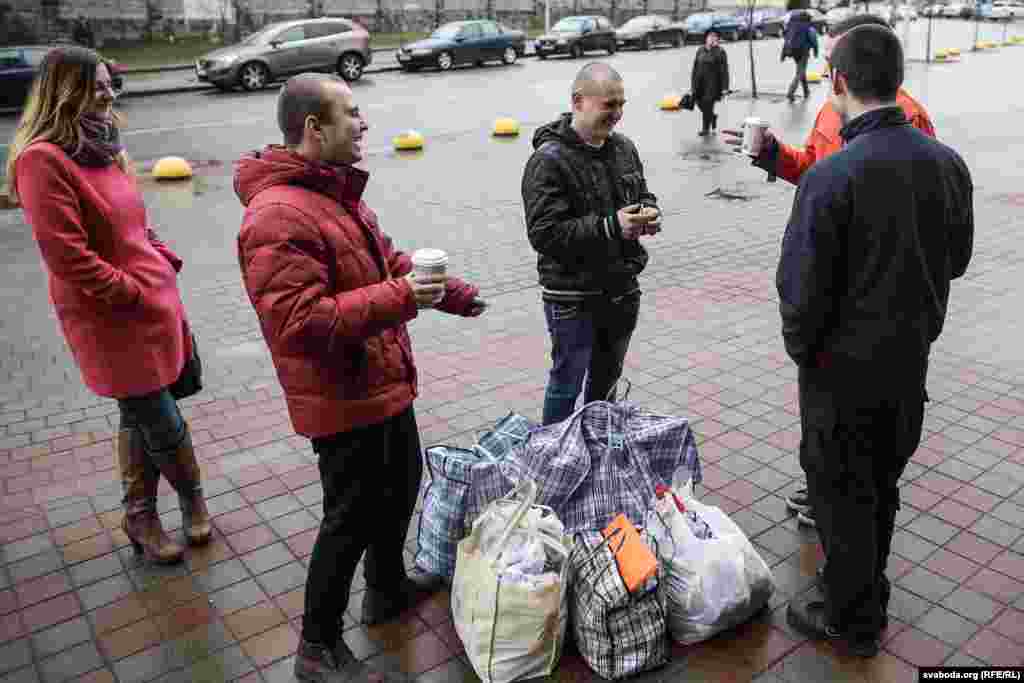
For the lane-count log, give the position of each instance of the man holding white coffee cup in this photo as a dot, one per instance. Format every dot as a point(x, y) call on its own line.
point(824, 140)
point(587, 204)
point(333, 297)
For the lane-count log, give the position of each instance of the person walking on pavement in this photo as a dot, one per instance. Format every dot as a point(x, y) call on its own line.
point(876, 234)
point(113, 284)
point(709, 80)
point(800, 40)
point(333, 297)
point(824, 140)
point(587, 204)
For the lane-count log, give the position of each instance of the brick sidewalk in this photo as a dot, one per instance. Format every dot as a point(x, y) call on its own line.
point(74, 603)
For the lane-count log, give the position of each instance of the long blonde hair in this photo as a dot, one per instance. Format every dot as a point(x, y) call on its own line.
point(62, 92)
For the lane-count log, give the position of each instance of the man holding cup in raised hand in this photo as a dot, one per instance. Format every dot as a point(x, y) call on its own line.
point(333, 297)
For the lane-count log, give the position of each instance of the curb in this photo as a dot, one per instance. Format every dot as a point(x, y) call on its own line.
point(201, 87)
point(170, 68)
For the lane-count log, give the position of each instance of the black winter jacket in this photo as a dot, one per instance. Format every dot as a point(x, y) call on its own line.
point(709, 78)
point(876, 233)
point(571, 194)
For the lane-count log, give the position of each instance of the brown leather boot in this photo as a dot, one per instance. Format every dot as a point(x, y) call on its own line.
point(182, 471)
point(139, 481)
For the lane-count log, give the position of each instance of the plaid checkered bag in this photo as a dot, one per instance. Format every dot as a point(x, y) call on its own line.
point(604, 459)
point(443, 522)
point(618, 633)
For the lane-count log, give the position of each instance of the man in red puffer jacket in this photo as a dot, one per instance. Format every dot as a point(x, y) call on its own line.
point(333, 298)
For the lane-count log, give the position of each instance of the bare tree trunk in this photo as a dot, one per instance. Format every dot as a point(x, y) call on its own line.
point(750, 42)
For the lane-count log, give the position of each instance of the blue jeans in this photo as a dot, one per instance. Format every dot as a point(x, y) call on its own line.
point(588, 339)
point(157, 417)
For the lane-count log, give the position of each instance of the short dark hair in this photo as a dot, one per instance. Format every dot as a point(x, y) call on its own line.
point(850, 23)
point(871, 60)
point(303, 96)
point(594, 72)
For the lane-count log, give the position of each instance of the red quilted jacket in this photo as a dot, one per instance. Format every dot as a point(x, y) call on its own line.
point(329, 290)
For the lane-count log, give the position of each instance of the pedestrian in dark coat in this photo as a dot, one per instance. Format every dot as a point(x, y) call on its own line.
point(877, 232)
point(709, 81)
point(801, 39)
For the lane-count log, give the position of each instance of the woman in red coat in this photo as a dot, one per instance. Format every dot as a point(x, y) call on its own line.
point(112, 282)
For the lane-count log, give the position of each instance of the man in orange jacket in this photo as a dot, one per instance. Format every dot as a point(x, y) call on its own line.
point(790, 163)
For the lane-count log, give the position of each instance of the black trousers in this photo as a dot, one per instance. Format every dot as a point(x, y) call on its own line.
point(854, 450)
point(707, 110)
point(371, 479)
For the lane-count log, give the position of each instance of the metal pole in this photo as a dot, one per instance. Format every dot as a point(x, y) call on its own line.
point(547, 16)
point(928, 46)
point(977, 27)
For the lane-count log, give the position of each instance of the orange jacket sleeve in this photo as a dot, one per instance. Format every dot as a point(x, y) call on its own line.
point(792, 161)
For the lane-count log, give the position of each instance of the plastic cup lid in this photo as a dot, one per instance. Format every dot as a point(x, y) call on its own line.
point(429, 257)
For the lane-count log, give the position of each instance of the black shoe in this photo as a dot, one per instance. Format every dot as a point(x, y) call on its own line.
point(810, 620)
point(320, 664)
point(383, 605)
point(819, 578)
point(714, 123)
point(791, 98)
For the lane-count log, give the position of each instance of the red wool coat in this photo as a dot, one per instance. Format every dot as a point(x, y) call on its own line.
point(112, 283)
point(330, 292)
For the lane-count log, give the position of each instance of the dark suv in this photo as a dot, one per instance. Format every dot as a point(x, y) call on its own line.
point(576, 35)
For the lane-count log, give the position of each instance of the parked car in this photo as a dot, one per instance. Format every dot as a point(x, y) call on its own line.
point(464, 42)
point(1015, 10)
point(906, 13)
point(933, 10)
point(958, 10)
point(19, 65)
point(758, 24)
point(697, 25)
point(777, 26)
point(838, 14)
point(575, 35)
point(644, 31)
point(287, 48)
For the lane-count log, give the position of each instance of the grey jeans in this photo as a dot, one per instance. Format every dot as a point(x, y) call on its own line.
point(800, 78)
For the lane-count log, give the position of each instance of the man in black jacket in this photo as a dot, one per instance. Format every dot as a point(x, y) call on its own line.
point(587, 205)
point(877, 232)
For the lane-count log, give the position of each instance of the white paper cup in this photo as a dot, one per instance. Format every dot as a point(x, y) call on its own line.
point(428, 263)
point(753, 136)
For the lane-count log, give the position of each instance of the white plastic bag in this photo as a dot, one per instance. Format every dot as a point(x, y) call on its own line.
point(713, 583)
point(512, 623)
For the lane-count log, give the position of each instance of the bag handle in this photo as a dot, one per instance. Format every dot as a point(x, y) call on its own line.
point(611, 392)
point(526, 491)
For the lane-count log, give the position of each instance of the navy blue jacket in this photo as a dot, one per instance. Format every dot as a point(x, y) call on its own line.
point(877, 232)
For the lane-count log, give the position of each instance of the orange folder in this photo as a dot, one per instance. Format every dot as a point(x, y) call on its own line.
point(636, 561)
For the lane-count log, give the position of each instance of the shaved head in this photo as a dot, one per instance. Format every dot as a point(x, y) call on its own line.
point(303, 96)
point(593, 78)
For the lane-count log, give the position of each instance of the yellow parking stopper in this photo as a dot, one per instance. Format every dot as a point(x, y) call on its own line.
point(506, 127)
point(671, 102)
point(954, 51)
point(814, 77)
point(409, 140)
point(172, 168)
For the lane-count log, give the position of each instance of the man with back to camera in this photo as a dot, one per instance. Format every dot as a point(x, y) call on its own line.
point(876, 234)
point(333, 298)
point(587, 205)
point(792, 162)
